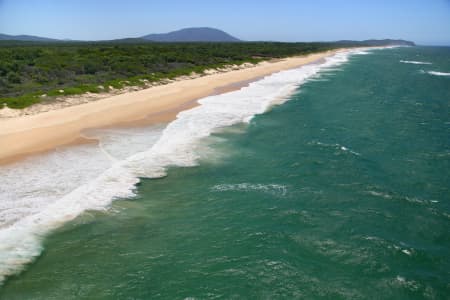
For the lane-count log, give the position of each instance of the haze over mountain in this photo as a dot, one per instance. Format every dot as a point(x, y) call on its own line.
point(29, 38)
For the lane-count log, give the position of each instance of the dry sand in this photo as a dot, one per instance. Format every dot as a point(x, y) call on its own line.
point(23, 135)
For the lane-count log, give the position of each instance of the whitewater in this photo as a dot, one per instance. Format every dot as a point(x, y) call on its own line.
point(42, 193)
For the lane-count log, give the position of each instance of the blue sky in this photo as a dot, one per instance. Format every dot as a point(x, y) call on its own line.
point(423, 21)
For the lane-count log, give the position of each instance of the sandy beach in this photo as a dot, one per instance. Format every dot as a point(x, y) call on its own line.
point(24, 135)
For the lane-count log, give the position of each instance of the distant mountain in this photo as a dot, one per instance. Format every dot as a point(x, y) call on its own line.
point(389, 42)
point(28, 38)
point(373, 42)
point(201, 34)
point(124, 41)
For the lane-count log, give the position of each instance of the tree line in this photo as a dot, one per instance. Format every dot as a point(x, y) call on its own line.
point(29, 70)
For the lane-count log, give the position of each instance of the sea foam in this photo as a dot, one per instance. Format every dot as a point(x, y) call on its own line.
point(435, 73)
point(43, 193)
point(274, 189)
point(415, 62)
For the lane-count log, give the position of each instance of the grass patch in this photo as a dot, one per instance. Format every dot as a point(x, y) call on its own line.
point(21, 101)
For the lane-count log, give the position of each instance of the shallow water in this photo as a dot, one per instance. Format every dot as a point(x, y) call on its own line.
point(341, 192)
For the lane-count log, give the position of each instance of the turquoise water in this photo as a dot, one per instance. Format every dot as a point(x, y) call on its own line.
point(340, 193)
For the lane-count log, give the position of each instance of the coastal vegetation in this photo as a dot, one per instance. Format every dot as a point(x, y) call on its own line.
point(33, 71)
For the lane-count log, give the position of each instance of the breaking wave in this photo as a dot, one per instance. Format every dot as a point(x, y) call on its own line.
point(435, 73)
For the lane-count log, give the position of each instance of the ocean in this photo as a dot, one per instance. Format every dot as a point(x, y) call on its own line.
point(327, 181)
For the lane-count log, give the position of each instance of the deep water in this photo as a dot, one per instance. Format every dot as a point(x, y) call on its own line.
point(343, 192)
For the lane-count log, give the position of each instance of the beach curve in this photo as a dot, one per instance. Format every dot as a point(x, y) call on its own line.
point(25, 135)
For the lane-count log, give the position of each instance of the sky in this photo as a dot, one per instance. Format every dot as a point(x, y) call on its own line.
point(426, 22)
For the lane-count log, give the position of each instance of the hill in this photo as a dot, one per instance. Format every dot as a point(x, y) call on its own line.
point(373, 42)
point(29, 38)
point(201, 34)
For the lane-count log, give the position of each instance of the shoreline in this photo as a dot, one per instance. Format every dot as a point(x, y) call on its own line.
point(23, 136)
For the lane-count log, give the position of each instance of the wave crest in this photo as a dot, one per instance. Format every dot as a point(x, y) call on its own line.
point(435, 73)
point(415, 62)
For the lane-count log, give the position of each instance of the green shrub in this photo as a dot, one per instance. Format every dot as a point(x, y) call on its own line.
point(29, 69)
point(20, 102)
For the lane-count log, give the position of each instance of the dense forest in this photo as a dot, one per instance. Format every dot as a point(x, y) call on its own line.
point(29, 70)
